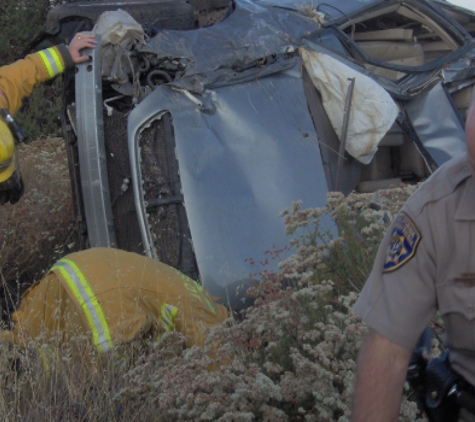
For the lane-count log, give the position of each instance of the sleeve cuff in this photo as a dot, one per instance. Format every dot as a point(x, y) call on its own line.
point(68, 61)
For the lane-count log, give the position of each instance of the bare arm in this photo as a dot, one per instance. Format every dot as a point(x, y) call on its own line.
point(380, 375)
point(80, 41)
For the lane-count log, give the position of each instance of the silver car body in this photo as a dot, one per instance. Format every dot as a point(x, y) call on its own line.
point(251, 134)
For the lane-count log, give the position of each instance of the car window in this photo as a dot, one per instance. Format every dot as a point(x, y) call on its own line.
point(403, 36)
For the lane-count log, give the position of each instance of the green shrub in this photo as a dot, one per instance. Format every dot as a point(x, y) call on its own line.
point(21, 21)
point(41, 112)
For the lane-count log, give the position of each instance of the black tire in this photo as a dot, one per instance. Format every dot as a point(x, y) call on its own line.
point(63, 21)
point(161, 14)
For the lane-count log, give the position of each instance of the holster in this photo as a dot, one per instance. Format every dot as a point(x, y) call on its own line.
point(440, 391)
point(442, 383)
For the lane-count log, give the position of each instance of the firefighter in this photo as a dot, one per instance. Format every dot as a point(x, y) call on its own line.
point(17, 81)
point(111, 297)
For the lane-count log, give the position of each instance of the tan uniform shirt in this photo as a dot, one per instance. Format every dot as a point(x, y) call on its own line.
point(109, 297)
point(426, 263)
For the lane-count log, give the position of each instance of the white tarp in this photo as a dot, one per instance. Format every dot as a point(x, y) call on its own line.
point(373, 111)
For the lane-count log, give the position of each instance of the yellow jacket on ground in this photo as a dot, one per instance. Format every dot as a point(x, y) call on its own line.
point(110, 297)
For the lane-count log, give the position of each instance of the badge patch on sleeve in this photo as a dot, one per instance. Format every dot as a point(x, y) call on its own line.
point(403, 244)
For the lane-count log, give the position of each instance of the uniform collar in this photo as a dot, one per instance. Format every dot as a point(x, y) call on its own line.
point(466, 208)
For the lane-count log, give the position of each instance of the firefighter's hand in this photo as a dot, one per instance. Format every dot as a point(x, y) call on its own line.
point(80, 41)
point(13, 194)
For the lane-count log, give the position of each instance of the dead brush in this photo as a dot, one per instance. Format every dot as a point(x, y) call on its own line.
point(51, 382)
point(32, 232)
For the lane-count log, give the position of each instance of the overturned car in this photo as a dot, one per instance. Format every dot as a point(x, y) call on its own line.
point(188, 133)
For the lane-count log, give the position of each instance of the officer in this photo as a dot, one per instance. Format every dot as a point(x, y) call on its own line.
point(17, 81)
point(426, 263)
point(111, 297)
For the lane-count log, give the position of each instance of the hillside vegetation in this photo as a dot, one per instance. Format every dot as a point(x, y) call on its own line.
point(35, 231)
point(290, 358)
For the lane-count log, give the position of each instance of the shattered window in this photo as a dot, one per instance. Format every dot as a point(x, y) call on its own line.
point(400, 35)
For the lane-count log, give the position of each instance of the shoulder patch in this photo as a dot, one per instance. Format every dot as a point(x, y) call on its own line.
point(405, 238)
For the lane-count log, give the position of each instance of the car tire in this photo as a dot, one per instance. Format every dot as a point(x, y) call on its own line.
point(163, 14)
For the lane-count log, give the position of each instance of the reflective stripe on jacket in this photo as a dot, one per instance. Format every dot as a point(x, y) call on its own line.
point(53, 61)
point(86, 299)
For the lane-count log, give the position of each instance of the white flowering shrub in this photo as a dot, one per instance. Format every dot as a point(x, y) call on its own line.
point(292, 357)
point(345, 258)
point(289, 357)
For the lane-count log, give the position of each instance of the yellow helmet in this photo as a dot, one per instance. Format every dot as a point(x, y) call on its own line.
point(7, 152)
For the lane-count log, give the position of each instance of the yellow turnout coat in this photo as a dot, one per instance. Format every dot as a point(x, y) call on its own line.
point(109, 297)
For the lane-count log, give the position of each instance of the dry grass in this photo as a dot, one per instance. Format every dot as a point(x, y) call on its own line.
point(32, 232)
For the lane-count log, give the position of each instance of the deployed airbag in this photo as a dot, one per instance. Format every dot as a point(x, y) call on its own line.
point(373, 111)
